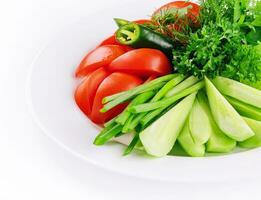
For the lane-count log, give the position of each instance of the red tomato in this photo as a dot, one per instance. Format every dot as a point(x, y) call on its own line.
point(150, 78)
point(143, 62)
point(110, 41)
point(99, 57)
point(142, 21)
point(85, 93)
point(192, 14)
point(114, 83)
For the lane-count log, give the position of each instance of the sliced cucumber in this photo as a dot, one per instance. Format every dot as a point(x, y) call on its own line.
point(199, 124)
point(238, 91)
point(254, 141)
point(218, 142)
point(186, 141)
point(226, 117)
point(245, 109)
point(159, 138)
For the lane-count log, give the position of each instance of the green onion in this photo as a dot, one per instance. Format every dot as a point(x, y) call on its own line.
point(107, 133)
point(141, 98)
point(131, 146)
point(169, 85)
point(168, 101)
point(123, 96)
point(183, 85)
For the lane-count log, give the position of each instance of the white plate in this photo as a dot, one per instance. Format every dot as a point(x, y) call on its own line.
point(50, 96)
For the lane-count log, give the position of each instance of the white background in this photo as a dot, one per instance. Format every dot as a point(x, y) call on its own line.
point(34, 167)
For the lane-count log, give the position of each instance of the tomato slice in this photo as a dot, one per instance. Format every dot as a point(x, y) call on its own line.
point(85, 93)
point(193, 12)
point(143, 62)
point(99, 57)
point(114, 83)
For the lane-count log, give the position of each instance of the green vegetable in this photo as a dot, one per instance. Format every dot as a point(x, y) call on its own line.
point(245, 109)
point(164, 103)
point(254, 141)
point(221, 46)
point(238, 91)
point(199, 124)
point(166, 88)
point(139, 36)
point(119, 98)
point(141, 98)
point(219, 142)
point(159, 138)
point(182, 86)
point(151, 115)
point(132, 145)
point(227, 119)
point(186, 141)
point(107, 133)
point(121, 22)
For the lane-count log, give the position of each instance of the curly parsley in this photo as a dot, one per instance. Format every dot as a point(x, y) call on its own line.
point(224, 45)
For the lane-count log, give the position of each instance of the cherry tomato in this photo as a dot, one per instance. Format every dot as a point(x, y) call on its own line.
point(193, 12)
point(99, 57)
point(114, 83)
point(142, 62)
point(85, 92)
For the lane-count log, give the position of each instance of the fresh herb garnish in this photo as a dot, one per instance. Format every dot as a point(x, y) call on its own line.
point(224, 44)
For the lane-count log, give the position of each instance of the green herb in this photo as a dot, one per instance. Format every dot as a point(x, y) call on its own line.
point(223, 46)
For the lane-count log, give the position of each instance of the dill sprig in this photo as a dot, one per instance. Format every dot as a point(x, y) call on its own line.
point(173, 23)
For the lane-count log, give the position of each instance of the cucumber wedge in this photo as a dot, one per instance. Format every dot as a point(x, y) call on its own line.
point(245, 109)
point(199, 124)
point(159, 138)
point(238, 91)
point(254, 141)
point(218, 142)
point(187, 143)
point(226, 117)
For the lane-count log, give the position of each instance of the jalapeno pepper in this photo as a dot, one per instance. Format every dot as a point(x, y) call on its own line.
point(139, 36)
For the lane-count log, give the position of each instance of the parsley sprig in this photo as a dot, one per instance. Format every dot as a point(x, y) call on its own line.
point(225, 44)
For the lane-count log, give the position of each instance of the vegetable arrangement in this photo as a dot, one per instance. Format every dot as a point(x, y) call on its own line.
point(208, 100)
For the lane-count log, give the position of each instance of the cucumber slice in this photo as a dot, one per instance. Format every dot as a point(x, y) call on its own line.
point(218, 142)
point(245, 109)
point(187, 143)
point(159, 138)
point(254, 141)
point(199, 124)
point(238, 91)
point(226, 117)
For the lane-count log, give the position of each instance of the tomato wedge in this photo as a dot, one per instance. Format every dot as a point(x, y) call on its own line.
point(85, 92)
point(99, 57)
point(143, 62)
point(114, 83)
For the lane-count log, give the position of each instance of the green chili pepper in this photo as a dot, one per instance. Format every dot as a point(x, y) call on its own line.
point(139, 36)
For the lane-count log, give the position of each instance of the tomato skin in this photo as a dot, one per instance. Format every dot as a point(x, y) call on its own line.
point(99, 57)
point(114, 83)
point(85, 92)
point(192, 14)
point(142, 62)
